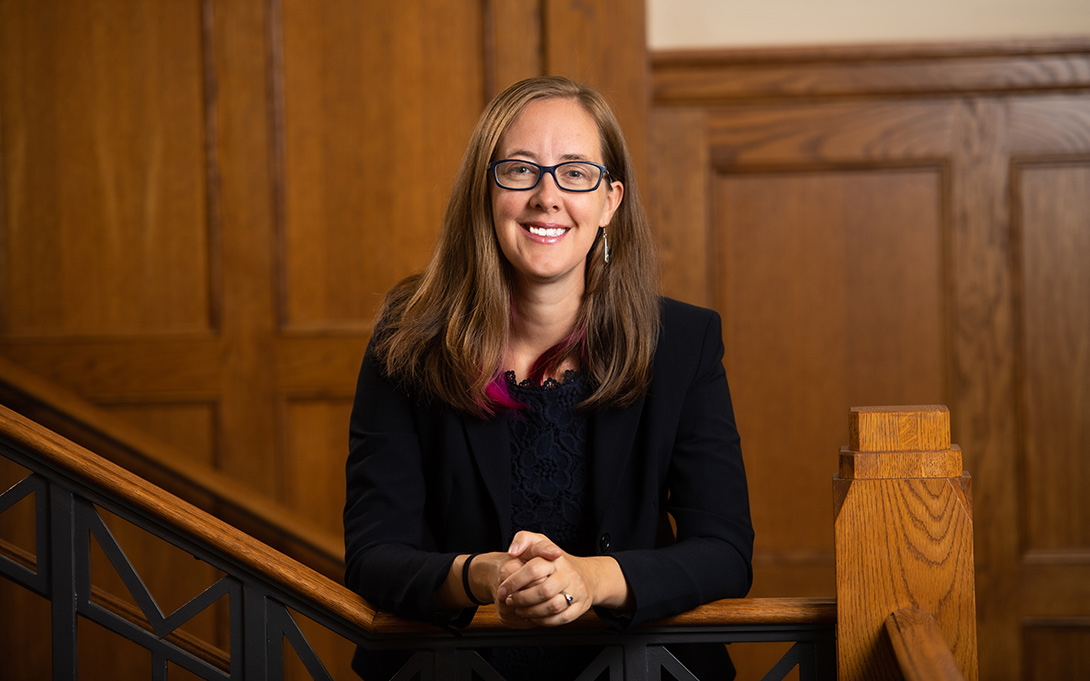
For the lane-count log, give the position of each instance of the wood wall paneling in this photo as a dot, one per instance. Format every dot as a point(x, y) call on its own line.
point(574, 46)
point(959, 174)
point(202, 203)
point(314, 463)
point(677, 186)
point(831, 285)
point(513, 42)
point(362, 206)
point(1056, 649)
point(103, 169)
point(190, 427)
point(1054, 241)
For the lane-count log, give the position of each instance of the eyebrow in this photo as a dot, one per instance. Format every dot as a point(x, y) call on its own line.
point(529, 154)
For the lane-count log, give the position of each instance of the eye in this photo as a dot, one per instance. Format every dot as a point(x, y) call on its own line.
point(516, 169)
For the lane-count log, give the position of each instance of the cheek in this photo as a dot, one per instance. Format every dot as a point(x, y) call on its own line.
point(504, 208)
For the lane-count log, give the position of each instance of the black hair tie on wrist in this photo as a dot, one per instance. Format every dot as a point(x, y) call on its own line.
point(465, 580)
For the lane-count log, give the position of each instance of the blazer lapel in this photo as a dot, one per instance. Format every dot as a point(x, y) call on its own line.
point(614, 439)
point(490, 447)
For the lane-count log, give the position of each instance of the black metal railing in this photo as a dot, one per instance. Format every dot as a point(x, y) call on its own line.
point(261, 607)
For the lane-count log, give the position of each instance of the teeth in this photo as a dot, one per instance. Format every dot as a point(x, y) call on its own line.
point(540, 231)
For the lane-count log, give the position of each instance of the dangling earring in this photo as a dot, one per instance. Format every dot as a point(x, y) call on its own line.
point(605, 245)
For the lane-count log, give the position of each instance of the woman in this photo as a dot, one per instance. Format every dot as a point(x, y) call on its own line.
point(530, 414)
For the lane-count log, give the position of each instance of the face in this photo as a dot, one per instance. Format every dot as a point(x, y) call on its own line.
point(546, 232)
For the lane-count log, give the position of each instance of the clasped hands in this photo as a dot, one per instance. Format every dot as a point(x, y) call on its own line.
point(536, 583)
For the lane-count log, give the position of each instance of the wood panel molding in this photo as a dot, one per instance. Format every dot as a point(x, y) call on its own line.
point(908, 70)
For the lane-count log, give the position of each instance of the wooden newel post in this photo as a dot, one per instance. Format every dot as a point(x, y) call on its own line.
point(904, 537)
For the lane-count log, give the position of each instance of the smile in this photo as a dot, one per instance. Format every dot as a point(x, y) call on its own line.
point(549, 232)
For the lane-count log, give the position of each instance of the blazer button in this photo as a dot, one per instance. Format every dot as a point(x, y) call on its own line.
point(603, 543)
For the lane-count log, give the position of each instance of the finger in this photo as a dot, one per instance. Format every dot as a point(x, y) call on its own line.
point(555, 611)
point(510, 567)
point(522, 541)
point(543, 549)
point(530, 575)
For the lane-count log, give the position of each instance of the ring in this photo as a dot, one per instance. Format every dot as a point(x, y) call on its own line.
point(569, 599)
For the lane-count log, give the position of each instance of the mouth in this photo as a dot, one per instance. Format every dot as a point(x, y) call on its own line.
point(545, 233)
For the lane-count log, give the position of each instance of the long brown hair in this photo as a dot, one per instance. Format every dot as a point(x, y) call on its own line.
point(445, 330)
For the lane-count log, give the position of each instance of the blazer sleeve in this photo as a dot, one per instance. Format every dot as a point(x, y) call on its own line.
point(708, 499)
point(389, 554)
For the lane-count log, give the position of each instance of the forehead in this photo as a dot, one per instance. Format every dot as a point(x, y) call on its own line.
point(553, 128)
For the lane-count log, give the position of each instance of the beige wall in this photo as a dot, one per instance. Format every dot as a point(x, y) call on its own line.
point(733, 23)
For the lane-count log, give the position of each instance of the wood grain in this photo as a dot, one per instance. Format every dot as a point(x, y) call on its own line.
point(870, 465)
point(899, 429)
point(922, 652)
point(901, 543)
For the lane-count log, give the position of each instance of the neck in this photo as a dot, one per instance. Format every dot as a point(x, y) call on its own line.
point(541, 318)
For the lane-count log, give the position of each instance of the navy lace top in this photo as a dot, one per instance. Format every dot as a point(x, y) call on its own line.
point(549, 470)
point(550, 487)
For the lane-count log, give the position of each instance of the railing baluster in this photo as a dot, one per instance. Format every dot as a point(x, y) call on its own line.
point(283, 627)
point(256, 644)
point(62, 584)
point(159, 667)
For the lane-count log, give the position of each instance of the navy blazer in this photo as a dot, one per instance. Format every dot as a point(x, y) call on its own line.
point(426, 483)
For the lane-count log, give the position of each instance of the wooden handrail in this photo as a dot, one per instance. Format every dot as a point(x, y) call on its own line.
point(729, 611)
point(922, 652)
point(168, 467)
point(73, 461)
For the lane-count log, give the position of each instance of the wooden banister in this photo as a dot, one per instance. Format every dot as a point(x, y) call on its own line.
point(903, 532)
point(74, 461)
point(922, 652)
point(70, 459)
point(903, 538)
point(67, 413)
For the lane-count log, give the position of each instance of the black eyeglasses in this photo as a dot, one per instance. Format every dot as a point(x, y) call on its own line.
point(571, 176)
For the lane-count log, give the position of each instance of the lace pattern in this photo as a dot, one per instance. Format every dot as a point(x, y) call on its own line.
point(549, 494)
point(549, 443)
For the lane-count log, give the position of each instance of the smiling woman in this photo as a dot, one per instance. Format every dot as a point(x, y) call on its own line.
point(546, 230)
point(530, 414)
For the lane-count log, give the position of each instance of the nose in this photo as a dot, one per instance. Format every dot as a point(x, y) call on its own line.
point(547, 193)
